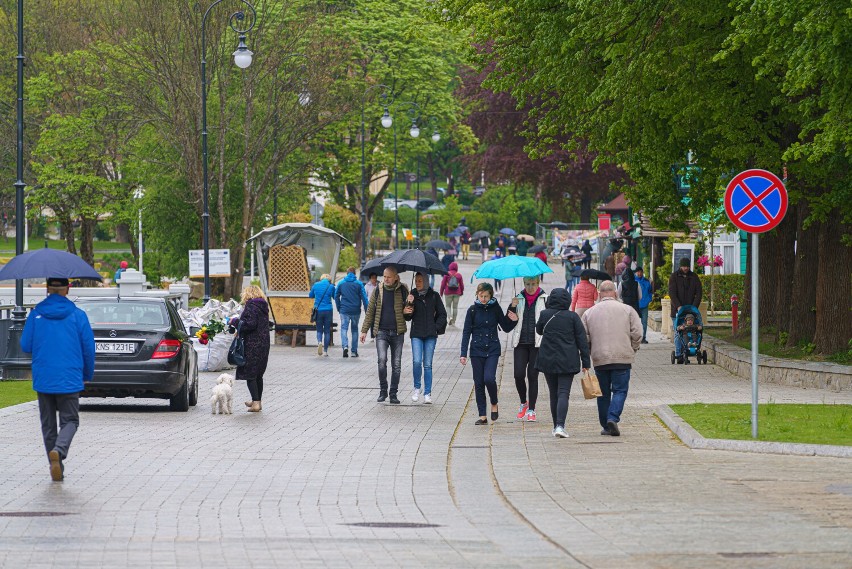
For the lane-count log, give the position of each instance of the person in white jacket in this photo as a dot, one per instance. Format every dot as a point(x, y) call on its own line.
point(528, 304)
point(614, 331)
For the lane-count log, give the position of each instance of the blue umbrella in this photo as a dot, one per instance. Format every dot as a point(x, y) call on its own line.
point(508, 231)
point(45, 263)
point(511, 267)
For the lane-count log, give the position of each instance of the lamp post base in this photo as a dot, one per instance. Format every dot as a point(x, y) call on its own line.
point(16, 364)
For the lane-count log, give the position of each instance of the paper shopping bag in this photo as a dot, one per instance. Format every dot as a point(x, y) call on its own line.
point(591, 387)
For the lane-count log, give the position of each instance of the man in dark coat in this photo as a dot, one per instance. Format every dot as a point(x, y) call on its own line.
point(684, 288)
point(563, 352)
point(628, 289)
point(253, 326)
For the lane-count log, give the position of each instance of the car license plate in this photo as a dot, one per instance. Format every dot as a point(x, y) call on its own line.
point(115, 347)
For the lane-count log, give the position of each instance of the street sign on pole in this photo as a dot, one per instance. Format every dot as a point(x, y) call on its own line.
point(755, 201)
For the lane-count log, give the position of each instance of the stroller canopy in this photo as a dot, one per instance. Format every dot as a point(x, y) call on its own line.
point(688, 309)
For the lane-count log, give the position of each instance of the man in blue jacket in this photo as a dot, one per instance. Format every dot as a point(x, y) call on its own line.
point(60, 339)
point(645, 297)
point(351, 295)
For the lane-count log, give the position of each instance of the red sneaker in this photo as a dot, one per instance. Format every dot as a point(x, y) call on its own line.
point(522, 410)
point(531, 415)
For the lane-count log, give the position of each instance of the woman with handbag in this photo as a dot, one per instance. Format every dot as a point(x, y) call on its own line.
point(563, 352)
point(428, 318)
point(253, 327)
point(323, 293)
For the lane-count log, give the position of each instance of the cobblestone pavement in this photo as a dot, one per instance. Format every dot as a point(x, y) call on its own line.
point(324, 476)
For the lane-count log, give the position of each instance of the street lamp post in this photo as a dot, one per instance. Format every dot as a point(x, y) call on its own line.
point(15, 364)
point(242, 59)
point(139, 193)
point(414, 132)
point(387, 121)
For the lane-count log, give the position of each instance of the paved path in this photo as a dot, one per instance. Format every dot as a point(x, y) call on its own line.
point(313, 480)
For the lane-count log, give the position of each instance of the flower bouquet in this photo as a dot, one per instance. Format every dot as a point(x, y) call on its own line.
point(209, 330)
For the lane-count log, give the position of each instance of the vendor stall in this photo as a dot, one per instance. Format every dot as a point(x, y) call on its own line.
point(291, 258)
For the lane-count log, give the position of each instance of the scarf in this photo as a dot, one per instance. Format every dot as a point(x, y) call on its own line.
point(531, 298)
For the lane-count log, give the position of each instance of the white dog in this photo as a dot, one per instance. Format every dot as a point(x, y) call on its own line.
point(223, 395)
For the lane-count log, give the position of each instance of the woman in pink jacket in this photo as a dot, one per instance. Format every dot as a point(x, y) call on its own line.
point(584, 296)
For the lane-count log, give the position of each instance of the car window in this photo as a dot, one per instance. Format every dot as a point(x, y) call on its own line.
point(126, 314)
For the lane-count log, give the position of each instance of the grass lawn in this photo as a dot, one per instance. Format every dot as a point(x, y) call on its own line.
point(767, 346)
point(787, 423)
point(14, 392)
point(38, 243)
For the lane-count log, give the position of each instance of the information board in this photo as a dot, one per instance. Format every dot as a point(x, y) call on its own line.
point(220, 263)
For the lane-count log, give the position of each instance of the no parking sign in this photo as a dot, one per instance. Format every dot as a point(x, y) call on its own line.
point(756, 202)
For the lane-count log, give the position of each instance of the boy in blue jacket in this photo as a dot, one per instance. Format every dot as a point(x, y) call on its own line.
point(645, 296)
point(60, 339)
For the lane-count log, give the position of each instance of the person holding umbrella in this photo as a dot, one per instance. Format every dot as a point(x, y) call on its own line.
point(528, 304)
point(481, 337)
point(428, 320)
point(62, 344)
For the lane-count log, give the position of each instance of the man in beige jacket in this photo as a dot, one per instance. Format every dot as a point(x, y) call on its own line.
point(614, 331)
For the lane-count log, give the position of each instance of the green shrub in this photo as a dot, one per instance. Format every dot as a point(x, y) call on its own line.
point(725, 286)
point(348, 258)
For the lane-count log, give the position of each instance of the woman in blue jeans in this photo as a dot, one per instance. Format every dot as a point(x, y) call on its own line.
point(481, 334)
point(428, 318)
point(323, 294)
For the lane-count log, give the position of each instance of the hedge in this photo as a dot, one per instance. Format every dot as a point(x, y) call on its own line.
point(725, 286)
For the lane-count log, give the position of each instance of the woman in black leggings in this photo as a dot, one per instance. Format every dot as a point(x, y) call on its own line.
point(529, 304)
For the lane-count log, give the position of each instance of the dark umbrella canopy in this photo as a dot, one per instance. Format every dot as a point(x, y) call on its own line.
point(508, 231)
point(537, 248)
point(414, 260)
point(595, 275)
point(372, 267)
point(558, 225)
point(480, 234)
point(462, 228)
point(45, 263)
point(439, 244)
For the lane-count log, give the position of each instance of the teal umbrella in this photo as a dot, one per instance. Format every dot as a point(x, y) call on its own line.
point(511, 267)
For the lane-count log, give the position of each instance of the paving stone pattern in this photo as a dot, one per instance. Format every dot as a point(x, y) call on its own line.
point(282, 488)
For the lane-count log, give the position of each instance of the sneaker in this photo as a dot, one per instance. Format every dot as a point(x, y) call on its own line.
point(559, 432)
point(345, 353)
point(644, 341)
point(416, 395)
point(612, 427)
point(319, 350)
point(522, 410)
point(56, 467)
point(530, 416)
point(605, 432)
point(427, 399)
point(354, 354)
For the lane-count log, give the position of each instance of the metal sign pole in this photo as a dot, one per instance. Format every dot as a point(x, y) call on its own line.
point(755, 329)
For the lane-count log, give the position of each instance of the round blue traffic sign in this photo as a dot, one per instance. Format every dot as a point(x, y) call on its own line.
point(756, 201)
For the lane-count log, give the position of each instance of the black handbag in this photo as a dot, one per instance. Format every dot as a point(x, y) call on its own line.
point(237, 351)
point(314, 309)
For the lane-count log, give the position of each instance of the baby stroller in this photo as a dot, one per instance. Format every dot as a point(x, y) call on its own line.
point(689, 330)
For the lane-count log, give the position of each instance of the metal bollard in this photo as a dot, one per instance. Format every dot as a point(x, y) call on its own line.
point(735, 324)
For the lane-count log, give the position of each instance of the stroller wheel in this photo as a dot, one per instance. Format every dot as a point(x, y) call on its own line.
point(704, 356)
point(685, 361)
point(673, 357)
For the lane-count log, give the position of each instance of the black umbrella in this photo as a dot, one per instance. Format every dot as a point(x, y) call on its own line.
point(45, 263)
point(373, 267)
point(596, 275)
point(414, 260)
point(557, 225)
point(480, 235)
point(439, 244)
point(536, 248)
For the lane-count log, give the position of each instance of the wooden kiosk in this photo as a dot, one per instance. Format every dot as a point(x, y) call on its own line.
point(292, 257)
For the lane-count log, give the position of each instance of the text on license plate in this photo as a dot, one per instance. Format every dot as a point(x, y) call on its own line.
point(115, 347)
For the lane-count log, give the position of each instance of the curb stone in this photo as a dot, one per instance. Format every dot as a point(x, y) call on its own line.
point(691, 438)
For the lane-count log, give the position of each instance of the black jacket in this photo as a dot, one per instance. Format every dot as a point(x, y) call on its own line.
point(480, 329)
point(429, 318)
point(563, 338)
point(254, 328)
point(684, 288)
point(630, 290)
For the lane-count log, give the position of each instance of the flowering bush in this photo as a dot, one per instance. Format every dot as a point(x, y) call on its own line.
point(704, 261)
point(209, 331)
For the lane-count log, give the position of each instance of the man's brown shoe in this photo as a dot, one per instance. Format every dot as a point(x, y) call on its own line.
point(55, 466)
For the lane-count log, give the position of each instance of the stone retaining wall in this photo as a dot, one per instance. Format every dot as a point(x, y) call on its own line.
point(811, 375)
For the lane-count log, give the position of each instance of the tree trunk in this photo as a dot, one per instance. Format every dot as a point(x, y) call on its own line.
point(802, 316)
point(87, 233)
point(68, 231)
point(833, 288)
point(586, 206)
point(123, 233)
point(785, 260)
point(770, 254)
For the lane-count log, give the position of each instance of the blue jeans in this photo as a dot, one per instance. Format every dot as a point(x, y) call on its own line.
point(324, 328)
point(614, 384)
point(422, 350)
point(349, 323)
point(643, 315)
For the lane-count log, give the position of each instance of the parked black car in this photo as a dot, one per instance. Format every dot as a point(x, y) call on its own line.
point(141, 350)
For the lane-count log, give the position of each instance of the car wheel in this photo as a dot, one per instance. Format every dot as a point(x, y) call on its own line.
point(180, 402)
point(193, 394)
